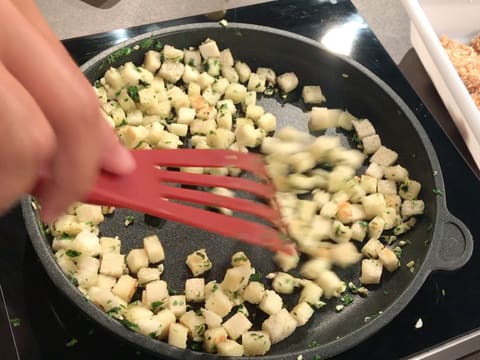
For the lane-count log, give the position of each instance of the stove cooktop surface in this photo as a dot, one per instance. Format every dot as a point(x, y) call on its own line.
point(43, 324)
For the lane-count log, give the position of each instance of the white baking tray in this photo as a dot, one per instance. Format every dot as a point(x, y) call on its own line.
point(459, 20)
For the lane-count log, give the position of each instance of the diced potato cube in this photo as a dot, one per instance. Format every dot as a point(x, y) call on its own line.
point(165, 318)
point(390, 216)
point(388, 259)
point(302, 312)
point(105, 299)
point(359, 230)
point(375, 227)
point(178, 335)
point(89, 213)
point(371, 271)
point(192, 58)
point(213, 337)
point(374, 205)
point(372, 248)
point(152, 61)
point(267, 122)
point(412, 208)
point(230, 348)
point(396, 173)
point(284, 283)
point(330, 284)
point(268, 74)
point(322, 118)
point(363, 128)
point(235, 92)
point(312, 95)
point(237, 325)
point(375, 170)
point(226, 57)
point(125, 287)
point(195, 324)
point(243, 71)
point(146, 275)
point(240, 259)
point(409, 189)
point(198, 262)
point(287, 82)
point(340, 233)
point(209, 48)
point(219, 303)
point(368, 183)
point(236, 278)
point(286, 262)
point(195, 289)
point(271, 302)
point(172, 53)
point(177, 304)
point(87, 272)
point(256, 83)
point(254, 292)
point(110, 245)
point(155, 296)
point(212, 319)
point(311, 293)
point(393, 201)
point(137, 259)
point(312, 268)
point(384, 156)
point(154, 249)
point(344, 254)
point(86, 243)
point(112, 264)
point(229, 73)
point(279, 326)
point(371, 144)
point(387, 187)
point(172, 71)
point(185, 115)
point(66, 263)
point(256, 343)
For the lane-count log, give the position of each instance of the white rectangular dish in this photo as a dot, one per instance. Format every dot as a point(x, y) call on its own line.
point(458, 20)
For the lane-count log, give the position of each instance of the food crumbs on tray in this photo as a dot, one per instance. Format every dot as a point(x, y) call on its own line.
point(15, 322)
point(317, 357)
point(443, 292)
point(72, 342)
point(223, 23)
point(339, 308)
point(419, 323)
point(300, 357)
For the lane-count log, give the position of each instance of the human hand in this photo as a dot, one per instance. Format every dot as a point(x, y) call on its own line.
point(50, 118)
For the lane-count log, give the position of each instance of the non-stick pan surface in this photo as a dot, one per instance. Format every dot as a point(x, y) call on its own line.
point(439, 241)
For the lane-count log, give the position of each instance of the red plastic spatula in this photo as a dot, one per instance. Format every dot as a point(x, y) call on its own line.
point(148, 189)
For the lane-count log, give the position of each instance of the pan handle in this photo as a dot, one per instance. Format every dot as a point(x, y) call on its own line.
point(456, 245)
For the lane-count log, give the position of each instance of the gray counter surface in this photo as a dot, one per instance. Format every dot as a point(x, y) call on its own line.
point(71, 18)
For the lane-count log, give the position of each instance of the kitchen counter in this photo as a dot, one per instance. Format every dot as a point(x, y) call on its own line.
point(72, 18)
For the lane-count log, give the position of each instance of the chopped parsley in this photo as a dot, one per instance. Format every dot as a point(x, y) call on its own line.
point(159, 45)
point(153, 334)
point(257, 276)
point(191, 62)
point(73, 279)
point(157, 305)
point(15, 322)
point(146, 43)
point(73, 253)
point(346, 300)
point(171, 291)
point(143, 83)
point(270, 90)
point(314, 343)
point(129, 220)
point(114, 311)
point(72, 342)
point(128, 324)
point(118, 54)
point(197, 346)
point(97, 84)
point(437, 192)
point(133, 93)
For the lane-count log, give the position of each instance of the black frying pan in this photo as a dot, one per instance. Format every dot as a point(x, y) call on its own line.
point(439, 241)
